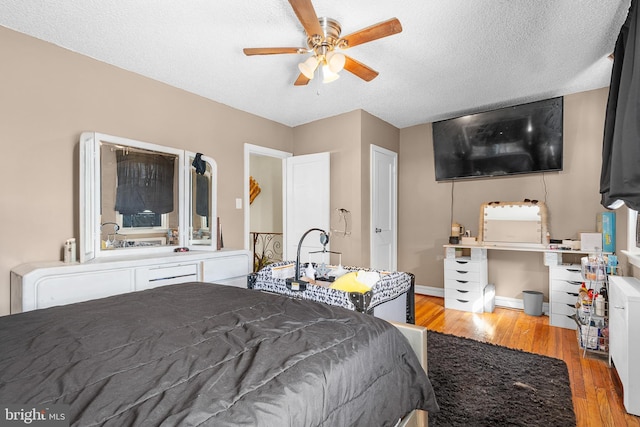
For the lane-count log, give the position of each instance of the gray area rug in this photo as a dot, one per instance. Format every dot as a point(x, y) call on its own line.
point(480, 384)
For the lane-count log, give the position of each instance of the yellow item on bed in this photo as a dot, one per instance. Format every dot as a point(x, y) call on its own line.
point(349, 283)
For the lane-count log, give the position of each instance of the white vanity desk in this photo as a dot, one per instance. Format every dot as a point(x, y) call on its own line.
point(555, 254)
point(46, 284)
point(512, 226)
point(564, 279)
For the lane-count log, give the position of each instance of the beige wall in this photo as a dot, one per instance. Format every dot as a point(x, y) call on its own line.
point(340, 136)
point(50, 95)
point(382, 134)
point(348, 138)
point(572, 198)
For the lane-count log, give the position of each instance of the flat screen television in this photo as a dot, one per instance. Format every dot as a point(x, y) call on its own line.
point(525, 138)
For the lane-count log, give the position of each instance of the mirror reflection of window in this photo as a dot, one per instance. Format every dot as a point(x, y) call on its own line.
point(139, 193)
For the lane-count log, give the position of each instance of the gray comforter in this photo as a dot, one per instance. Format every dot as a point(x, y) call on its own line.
point(203, 354)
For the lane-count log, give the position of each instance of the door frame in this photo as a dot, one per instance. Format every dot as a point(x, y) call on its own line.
point(250, 149)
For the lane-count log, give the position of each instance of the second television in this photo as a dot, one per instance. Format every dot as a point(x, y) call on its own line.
point(521, 139)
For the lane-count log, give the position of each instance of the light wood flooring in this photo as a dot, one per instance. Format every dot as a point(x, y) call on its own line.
point(596, 398)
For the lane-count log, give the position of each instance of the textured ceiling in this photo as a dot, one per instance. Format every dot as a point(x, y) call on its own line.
point(452, 57)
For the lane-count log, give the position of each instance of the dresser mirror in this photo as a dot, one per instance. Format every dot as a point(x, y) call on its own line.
point(202, 201)
point(138, 198)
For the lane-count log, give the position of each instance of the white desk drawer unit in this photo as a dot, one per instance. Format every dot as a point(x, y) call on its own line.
point(565, 281)
point(464, 283)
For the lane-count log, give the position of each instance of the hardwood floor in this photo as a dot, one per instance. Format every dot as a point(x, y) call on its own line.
point(593, 384)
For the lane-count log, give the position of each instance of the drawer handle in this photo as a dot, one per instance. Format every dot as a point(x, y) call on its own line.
point(573, 270)
point(572, 294)
point(462, 281)
point(461, 272)
point(461, 300)
point(571, 305)
point(462, 262)
point(574, 282)
point(619, 307)
point(462, 291)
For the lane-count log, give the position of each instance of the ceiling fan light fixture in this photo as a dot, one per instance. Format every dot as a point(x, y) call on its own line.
point(328, 76)
point(335, 61)
point(323, 40)
point(308, 67)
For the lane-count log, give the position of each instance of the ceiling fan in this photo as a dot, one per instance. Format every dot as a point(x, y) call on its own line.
point(324, 43)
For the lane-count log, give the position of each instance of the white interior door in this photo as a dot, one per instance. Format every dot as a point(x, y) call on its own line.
point(307, 203)
point(384, 210)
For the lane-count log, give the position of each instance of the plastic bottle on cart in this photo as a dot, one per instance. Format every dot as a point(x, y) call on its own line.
point(604, 293)
point(599, 303)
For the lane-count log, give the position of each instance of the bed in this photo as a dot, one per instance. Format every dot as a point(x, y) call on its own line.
point(211, 355)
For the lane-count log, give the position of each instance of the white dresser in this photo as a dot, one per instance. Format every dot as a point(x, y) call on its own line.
point(42, 285)
point(464, 281)
point(624, 337)
point(565, 281)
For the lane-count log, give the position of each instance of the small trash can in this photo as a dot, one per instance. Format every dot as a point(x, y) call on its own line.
point(489, 298)
point(532, 303)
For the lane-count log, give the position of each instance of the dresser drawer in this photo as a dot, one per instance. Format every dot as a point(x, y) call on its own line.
point(566, 272)
point(463, 285)
point(147, 278)
point(565, 308)
point(70, 288)
point(169, 272)
point(564, 297)
point(464, 300)
point(463, 264)
point(461, 275)
point(565, 286)
point(230, 267)
point(562, 321)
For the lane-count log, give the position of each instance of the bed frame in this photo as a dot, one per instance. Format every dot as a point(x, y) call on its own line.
point(417, 337)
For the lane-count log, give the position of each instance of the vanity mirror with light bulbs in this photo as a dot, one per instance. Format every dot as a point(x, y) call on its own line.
point(514, 223)
point(140, 198)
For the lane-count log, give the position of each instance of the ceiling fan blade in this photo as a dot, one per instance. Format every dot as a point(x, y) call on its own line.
point(307, 16)
point(359, 69)
point(374, 32)
point(302, 80)
point(272, 50)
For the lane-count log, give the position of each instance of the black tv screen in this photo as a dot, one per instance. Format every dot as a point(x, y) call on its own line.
point(521, 139)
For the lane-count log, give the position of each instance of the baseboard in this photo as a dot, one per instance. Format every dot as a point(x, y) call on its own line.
point(429, 290)
point(505, 302)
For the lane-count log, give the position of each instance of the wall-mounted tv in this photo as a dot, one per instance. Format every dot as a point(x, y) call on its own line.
point(521, 139)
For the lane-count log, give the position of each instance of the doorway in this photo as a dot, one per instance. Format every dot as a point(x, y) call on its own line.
point(264, 201)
